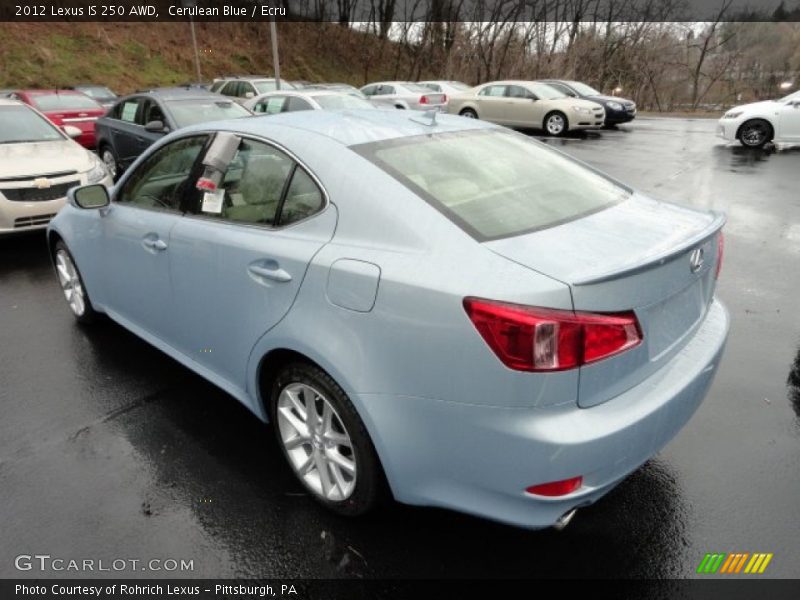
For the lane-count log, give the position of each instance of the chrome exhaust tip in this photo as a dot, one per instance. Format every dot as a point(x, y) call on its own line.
point(564, 520)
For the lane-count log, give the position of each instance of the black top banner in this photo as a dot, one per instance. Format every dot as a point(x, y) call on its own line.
point(349, 11)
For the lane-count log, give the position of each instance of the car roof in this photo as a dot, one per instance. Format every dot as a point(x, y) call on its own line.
point(49, 92)
point(180, 93)
point(349, 127)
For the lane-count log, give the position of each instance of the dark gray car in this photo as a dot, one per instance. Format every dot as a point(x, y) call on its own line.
point(136, 121)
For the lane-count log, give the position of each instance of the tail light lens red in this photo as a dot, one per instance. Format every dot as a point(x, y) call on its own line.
point(444, 98)
point(556, 488)
point(423, 99)
point(720, 252)
point(527, 338)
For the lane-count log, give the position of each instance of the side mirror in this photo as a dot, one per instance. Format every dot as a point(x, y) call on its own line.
point(89, 196)
point(249, 95)
point(72, 131)
point(156, 127)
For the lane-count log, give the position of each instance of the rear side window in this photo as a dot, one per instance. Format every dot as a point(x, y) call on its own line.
point(493, 90)
point(494, 184)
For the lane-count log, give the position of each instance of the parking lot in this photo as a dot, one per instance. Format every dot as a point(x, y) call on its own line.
point(109, 449)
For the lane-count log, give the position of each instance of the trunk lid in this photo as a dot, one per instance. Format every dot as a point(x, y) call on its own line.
point(636, 255)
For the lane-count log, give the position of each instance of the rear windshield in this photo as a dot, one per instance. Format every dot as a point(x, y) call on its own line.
point(341, 101)
point(97, 92)
point(63, 102)
point(416, 87)
point(189, 112)
point(20, 124)
point(494, 183)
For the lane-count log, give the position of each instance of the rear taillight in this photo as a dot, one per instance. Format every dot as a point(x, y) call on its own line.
point(720, 252)
point(444, 98)
point(423, 99)
point(527, 338)
point(556, 488)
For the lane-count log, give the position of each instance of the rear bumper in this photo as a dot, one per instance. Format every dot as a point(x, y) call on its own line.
point(480, 459)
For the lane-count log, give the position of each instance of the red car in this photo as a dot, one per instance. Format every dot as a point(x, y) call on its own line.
point(66, 107)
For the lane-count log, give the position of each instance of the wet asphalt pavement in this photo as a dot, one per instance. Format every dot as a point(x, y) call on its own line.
point(109, 449)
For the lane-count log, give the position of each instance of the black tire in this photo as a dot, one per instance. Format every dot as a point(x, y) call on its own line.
point(468, 113)
point(88, 314)
point(555, 114)
point(370, 482)
point(755, 133)
point(111, 160)
point(399, 107)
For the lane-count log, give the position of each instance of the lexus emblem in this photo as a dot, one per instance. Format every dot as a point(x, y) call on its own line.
point(696, 260)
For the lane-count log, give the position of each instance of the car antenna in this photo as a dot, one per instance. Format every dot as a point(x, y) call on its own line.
point(428, 114)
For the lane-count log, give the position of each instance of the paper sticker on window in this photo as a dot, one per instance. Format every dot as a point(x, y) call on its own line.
point(129, 111)
point(212, 201)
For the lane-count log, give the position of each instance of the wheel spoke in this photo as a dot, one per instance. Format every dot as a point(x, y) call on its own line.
point(341, 461)
point(308, 465)
point(339, 478)
point(339, 439)
point(324, 475)
point(310, 396)
point(294, 397)
point(294, 422)
point(296, 442)
point(63, 274)
point(77, 302)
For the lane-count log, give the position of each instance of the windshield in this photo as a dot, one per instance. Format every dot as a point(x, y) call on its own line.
point(341, 101)
point(790, 97)
point(494, 184)
point(64, 102)
point(97, 92)
point(415, 87)
point(545, 92)
point(21, 124)
point(269, 86)
point(189, 112)
point(583, 89)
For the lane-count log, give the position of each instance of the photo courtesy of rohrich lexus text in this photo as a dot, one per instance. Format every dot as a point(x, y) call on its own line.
point(372, 299)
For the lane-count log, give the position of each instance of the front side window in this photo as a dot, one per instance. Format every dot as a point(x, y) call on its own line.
point(369, 90)
point(231, 88)
point(385, 90)
point(517, 91)
point(162, 180)
point(494, 184)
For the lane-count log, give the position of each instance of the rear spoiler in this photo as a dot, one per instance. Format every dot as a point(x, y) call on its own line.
point(663, 257)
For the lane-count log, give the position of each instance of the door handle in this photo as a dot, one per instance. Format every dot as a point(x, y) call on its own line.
point(270, 270)
point(158, 245)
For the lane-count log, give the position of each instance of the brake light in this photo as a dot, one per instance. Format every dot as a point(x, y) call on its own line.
point(423, 99)
point(527, 338)
point(720, 252)
point(444, 98)
point(556, 488)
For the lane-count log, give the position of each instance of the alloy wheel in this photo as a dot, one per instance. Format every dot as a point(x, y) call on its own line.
point(555, 124)
point(754, 134)
point(316, 441)
point(70, 283)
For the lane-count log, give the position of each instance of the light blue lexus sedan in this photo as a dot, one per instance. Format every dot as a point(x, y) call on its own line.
point(428, 307)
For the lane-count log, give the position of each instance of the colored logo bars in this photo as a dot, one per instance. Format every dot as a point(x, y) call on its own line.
point(734, 563)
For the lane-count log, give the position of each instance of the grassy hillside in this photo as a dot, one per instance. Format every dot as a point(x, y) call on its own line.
point(129, 56)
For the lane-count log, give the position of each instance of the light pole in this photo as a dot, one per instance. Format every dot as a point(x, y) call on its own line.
point(192, 4)
point(276, 63)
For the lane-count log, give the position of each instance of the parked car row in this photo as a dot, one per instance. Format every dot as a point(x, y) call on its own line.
point(552, 105)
